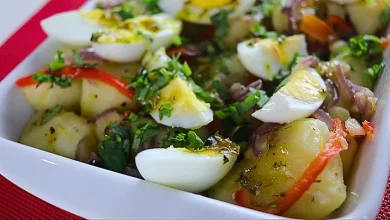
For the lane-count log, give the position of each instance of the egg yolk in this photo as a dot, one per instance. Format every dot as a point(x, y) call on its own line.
point(208, 4)
point(302, 85)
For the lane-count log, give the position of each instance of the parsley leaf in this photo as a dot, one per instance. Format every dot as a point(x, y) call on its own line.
point(50, 114)
point(384, 16)
point(115, 148)
point(374, 71)
point(268, 7)
point(58, 62)
point(165, 109)
point(364, 46)
point(141, 133)
point(238, 109)
point(221, 22)
point(62, 81)
point(152, 6)
point(133, 116)
point(124, 12)
point(184, 140)
point(260, 31)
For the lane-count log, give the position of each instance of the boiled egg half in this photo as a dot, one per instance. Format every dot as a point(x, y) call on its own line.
point(201, 11)
point(186, 169)
point(264, 58)
point(303, 93)
point(129, 42)
point(187, 110)
point(75, 28)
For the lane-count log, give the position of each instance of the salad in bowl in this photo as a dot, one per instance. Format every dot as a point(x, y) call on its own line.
point(262, 104)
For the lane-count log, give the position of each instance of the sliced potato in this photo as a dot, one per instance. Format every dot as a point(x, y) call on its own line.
point(46, 97)
point(365, 15)
point(348, 156)
point(98, 97)
point(279, 20)
point(239, 30)
point(268, 178)
point(103, 120)
point(66, 134)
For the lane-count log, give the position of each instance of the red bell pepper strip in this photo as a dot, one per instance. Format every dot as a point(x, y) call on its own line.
point(83, 73)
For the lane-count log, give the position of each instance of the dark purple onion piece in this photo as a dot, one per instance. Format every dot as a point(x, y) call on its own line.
point(131, 171)
point(239, 92)
point(95, 160)
point(324, 117)
point(258, 141)
point(309, 61)
point(344, 84)
point(333, 93)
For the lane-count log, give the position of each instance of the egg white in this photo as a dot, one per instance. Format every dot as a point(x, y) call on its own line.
point(140, 39)
point(70, 28)
point(282, 108)
point(155, 60)
point(183, 169)
point(265, 57)
point(188, 111)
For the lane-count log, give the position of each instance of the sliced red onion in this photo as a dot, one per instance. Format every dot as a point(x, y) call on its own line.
point(344, 84)
point(324, 117)
point(239, 92)
point(131, 171)
point(259, 139)
point(88, 55)
point(95, 160)
point(309, 61)
point(332, 97)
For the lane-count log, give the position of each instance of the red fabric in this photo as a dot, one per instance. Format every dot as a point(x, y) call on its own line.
point(16, 203)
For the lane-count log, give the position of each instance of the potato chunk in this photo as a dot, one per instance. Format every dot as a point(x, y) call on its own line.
point(66, 134)
point(98, 97)
point(292, 148)
point(46, 97)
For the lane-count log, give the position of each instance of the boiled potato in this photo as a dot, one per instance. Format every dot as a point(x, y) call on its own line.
point(365, 15)
point(348, 156)
point(97, 97)
point(279, 20)
point(239, 30)
point(66, 134)
point(105, 119)
point(292, 148)
point(358, 66)
point(46, 97)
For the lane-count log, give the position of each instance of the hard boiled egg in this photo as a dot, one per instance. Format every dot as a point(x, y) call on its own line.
point(75, 27)
point(201, 11)
point(265, 57)
point(135, 36)
point(187, 110)
point(155, 60)
point(185, 169)
point(303, 93)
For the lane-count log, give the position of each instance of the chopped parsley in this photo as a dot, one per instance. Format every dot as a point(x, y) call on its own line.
point(364, 46)
point(184, 140)
point(238, 109)
point(58, 62)
point(141, 133)
point(260, 31)
point(179, 41)
point(133, 117)
point(50, 114)
point(152, 6)
point(115, 148)
point(268, 7)
point(384, 16)
point(374, 71)
point(221, 22)
point(148, 84)
point(123, 12)
point(146, 36)
point(165, 109)
point(62, 81)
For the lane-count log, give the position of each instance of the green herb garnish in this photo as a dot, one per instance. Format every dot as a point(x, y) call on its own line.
point(79, 62)
point(374, 71)
point(50, 114)
point(58, 62)
point(133, 116)
point(141, 133)
point(184, 140)
point(221, 22)
point(165, 109)
point(152, 6)
point(62, 81)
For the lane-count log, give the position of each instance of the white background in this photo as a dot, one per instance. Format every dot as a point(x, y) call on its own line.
point(13, 14)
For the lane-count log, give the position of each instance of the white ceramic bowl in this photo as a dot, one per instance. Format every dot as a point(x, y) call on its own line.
point(95, 193)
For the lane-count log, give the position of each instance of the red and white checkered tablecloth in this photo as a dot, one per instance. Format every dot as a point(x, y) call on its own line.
point(20, 34)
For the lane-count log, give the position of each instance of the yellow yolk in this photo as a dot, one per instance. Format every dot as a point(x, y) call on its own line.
point(183, 99)
point(208, 4)
point(303, 86)
point(97, 16)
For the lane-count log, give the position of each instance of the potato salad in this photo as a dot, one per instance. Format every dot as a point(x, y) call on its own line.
point(258, 103)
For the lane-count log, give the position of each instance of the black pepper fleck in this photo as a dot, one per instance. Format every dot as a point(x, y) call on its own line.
point(52, 130)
